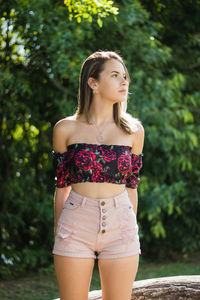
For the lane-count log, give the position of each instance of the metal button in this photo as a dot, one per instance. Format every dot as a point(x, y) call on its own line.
point(103, 231)
point(104, 217)
point(103, 203)
point(103, 223)
point(104, 210)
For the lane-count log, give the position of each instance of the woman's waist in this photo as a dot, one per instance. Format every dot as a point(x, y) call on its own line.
point(97, 190)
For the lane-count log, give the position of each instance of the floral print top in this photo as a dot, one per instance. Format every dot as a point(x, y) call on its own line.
point(97, 163)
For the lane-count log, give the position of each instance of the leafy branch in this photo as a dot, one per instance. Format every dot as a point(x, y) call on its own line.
point(87, 8)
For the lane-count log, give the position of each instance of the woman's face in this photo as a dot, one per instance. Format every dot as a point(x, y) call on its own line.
point(112, 80)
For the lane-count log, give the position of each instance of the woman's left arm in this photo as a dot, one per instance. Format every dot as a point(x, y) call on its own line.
point(137, 148)
point(133, 196)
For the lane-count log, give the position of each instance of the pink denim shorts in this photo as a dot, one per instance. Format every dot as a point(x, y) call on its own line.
point(97, 228)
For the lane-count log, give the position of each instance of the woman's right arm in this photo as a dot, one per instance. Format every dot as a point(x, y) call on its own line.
point(60, 196)
point(60, 131)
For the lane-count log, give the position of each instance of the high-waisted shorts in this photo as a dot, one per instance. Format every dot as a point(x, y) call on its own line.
point(97, 228)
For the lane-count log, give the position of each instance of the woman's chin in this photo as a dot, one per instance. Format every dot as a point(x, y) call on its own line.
point(121, 100)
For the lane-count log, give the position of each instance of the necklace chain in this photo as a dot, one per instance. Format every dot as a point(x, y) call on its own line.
point(99, 137)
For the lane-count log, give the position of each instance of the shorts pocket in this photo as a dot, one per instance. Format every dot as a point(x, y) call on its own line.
point(62, 239)
point(63, 232)
point(128, 217)
point(128, 224)
point(71, 204)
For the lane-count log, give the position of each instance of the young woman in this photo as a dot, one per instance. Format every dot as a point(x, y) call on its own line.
point(97, 156)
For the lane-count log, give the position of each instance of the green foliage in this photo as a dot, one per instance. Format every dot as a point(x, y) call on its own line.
point(85, 10)
point(172, 135)
point(41, 55)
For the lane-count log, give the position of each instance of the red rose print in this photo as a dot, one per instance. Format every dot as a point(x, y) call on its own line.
point(136, 163)
point(95, 176)
point(108, 155)
point(134, 181)
point(124, 163)
point(69, 176)
point(125, 148)
point(70, 155)
point(101, 178)
point(93, 147)
point(97, 165)
point(84, 159)
point(61, 182)
point(60, 174)
point(79, 177)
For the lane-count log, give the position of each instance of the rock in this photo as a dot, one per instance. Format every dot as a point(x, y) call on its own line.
point(164, 288)
point(167, 288)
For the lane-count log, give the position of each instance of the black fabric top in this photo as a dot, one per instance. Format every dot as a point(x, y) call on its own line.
point(97, 163)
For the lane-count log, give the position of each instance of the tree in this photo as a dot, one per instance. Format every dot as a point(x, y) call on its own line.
point(41, 56)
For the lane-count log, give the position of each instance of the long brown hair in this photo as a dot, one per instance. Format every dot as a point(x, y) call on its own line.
point(92, 67)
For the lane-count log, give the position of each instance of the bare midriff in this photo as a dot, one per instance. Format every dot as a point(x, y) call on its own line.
point(98, 189)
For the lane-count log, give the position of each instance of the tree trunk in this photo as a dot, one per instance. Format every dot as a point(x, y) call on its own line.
point(164, 288)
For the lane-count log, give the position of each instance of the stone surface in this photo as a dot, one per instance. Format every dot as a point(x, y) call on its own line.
point(167, 288)
point(164, 288)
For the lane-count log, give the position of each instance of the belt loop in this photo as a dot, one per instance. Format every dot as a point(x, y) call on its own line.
point(83, 201)
point(116, 202)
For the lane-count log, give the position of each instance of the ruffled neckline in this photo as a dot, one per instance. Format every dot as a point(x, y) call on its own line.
point(70, 145)
point(89, 144)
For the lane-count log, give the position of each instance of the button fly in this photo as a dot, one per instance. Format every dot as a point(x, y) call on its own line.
point(104, 217)
point(103, 224)
point(103, 203)
point(104, 210)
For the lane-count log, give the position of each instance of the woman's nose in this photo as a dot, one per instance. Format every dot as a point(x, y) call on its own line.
point(124, 80)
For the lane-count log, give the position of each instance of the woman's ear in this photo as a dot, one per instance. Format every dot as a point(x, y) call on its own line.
point(92, 83)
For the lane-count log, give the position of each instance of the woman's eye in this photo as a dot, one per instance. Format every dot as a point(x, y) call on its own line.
point(117, 75)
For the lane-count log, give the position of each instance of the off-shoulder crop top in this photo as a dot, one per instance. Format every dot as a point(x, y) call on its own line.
point(97, 163)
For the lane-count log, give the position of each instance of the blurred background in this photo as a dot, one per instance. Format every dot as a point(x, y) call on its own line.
point(42, 47)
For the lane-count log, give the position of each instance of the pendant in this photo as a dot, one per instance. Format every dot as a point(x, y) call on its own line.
point(100, 138)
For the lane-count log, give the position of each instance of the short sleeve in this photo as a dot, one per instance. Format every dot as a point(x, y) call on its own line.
point(60, 168)
point(133, 179)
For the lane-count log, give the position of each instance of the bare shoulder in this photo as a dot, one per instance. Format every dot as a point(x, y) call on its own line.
point(61, 133)
point(140, 132)
point(138, 138)
point(63, 124)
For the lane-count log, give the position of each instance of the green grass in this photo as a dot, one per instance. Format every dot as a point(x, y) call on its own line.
point(43, 286)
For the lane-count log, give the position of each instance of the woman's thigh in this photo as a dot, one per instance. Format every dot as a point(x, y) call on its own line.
point(117, 277)
point(73, 276)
